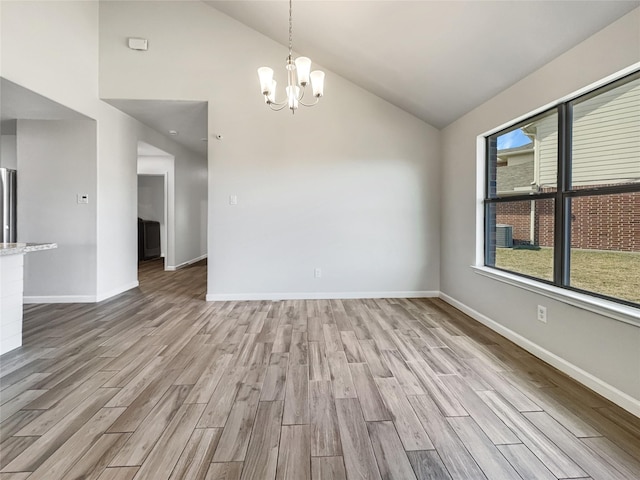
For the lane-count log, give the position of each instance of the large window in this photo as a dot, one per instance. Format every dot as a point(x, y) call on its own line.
point(562, 201)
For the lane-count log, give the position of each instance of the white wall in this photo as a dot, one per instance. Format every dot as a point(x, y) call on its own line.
point(51, 48)
point(8, 153)
point(351, 186)
point(151, 204)
point(191, 206)
point(603, 348)
point(57, 161)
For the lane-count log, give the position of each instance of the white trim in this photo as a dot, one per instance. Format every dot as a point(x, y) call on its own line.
point(481, 165)
point(607, 308)
point(617, 396)
point(219, 297)
point(116, 291)
point(60, 299)
point(79, 298)
point(170, 268)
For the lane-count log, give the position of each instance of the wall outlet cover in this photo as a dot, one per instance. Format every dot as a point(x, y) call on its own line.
point(542, 313)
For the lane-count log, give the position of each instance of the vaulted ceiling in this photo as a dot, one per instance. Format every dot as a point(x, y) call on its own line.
point(435, 59)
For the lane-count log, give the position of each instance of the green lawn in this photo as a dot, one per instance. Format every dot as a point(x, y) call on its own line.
point(616, 274)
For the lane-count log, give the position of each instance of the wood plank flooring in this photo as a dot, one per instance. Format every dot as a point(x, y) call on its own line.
point(157, 384)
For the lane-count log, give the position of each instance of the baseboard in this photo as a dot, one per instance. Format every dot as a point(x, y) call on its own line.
point(172, 268)
point(79, 298)
point(59, 299)
point(8, 344)
point(116, 291)
point(219, 297)
point(610, 392)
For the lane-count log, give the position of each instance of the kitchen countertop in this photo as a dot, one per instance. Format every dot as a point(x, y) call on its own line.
point(19, 248)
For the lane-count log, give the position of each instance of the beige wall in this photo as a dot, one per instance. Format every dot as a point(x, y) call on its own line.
point(601, 351)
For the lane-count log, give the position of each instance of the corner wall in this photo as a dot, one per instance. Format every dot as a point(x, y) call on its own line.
point(8, 153)
point(602, 352)
point(56, 162)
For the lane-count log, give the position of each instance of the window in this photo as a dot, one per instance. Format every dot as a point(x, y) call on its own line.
point(562, 202)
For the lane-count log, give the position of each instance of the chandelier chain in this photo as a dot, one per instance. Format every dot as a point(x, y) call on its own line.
point(290, 26)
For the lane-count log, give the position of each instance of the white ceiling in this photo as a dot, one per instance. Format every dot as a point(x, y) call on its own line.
point(146, 150)
point(188, 118)
point(435, 59)
point(17, 102)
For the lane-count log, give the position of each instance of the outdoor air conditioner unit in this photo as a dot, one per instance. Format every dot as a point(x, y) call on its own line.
point(504, 236)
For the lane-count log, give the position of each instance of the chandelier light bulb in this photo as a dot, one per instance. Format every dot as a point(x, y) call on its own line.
point(303, 66)
point(317, 83)
point(266, 79)
point(293, 94)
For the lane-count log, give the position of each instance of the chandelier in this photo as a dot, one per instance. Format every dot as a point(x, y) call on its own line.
point(299, 75)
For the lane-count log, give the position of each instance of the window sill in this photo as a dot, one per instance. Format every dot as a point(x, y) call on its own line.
point(622, 313)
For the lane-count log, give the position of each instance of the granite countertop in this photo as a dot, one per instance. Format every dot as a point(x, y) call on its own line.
point(19, 248)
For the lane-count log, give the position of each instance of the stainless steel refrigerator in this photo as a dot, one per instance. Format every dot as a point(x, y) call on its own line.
point(8, 210)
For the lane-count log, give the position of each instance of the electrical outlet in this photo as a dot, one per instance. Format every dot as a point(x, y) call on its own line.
point(317, 272)
point(82, 198)
point(233, 199)
point(542, 314)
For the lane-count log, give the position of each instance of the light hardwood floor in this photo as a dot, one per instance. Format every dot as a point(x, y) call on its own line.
point(157, 384)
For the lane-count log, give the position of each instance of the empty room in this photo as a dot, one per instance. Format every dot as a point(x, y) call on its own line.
point(323, 240)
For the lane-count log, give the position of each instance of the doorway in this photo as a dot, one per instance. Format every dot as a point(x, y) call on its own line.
point(152, 206)
point(156, 196)
point(175, 146)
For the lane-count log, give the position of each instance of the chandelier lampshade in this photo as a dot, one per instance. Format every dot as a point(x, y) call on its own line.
point(303, 69)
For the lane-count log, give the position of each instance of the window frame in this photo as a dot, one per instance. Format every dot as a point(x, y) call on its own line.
point(562, 195)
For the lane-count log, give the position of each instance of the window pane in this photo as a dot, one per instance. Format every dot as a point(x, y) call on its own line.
point(606, 138)
point(605, 245)
point(520, 237)
point(524, 159)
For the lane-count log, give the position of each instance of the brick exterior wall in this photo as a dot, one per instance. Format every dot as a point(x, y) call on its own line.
point(602, 222)
point(518, 215)
point(606, 222)
point(545, 218)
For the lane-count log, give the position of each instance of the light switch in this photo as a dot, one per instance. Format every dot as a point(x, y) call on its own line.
point(82, 198)
point(233, 199)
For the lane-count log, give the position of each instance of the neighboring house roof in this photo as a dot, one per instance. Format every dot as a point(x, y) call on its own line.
point(522, 149)
point(515, 170)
